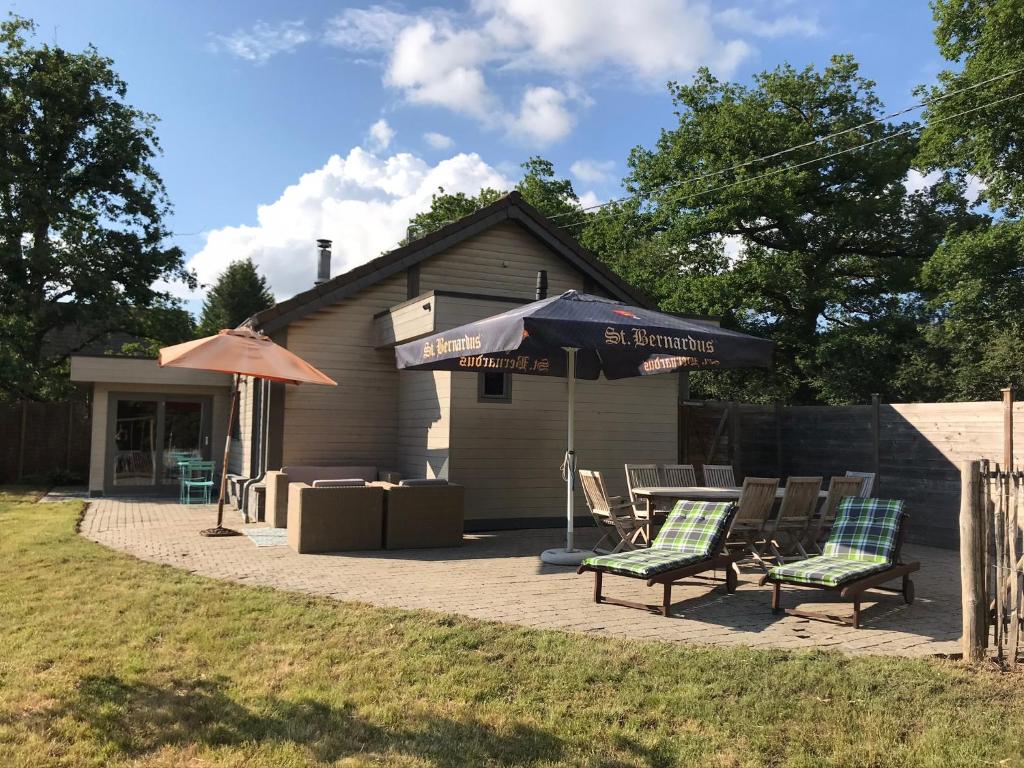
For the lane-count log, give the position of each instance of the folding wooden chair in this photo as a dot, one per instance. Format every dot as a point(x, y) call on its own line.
point(838, 489)
point(755, 505)
point(786, 532)
point(867, 483)
point(719, 476)
point(623, 525)
point(678, 475)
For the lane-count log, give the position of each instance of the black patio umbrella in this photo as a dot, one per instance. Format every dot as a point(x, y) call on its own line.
point(576, 335)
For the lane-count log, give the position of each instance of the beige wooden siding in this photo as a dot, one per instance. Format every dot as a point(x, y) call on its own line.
point(409, 321)
point(124, 371)
point(101, 393)
point(241, 448)
point(456, 310)
point(424, 417)
point(355, 422)
point(503, 261)
point(508, 454)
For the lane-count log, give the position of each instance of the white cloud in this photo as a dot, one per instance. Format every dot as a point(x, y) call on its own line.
point(381, 135)
point(733, 247)
point(370, 29)
point(448, 59)
point(263, 40)
point(593, 171)
point(438, 140)
point(743, 20)
point(543, 116)
point(652, 39)
point(362, 202)
point(917, 182)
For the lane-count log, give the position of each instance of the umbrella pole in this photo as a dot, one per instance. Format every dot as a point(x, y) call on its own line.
point(219, 529)
point(570, 449)
point(570, 555)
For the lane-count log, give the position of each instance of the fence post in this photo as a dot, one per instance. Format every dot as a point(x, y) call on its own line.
point(778, 439)
point(972, 573)
point(21, 439)
point(735, 437)
point(1008, 429)
point(876, 426)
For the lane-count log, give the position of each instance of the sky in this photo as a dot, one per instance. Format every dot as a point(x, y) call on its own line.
point(281, 123)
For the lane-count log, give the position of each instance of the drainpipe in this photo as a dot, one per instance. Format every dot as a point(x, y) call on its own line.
point(262, 429)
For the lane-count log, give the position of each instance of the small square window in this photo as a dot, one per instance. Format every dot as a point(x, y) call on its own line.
point(494, 387)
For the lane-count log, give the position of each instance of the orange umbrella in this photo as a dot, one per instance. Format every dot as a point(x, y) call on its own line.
point(243, 353)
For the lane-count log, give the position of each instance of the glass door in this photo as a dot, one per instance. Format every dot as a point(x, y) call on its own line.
point(135, 443)
point(182, 436)
point(152, 435)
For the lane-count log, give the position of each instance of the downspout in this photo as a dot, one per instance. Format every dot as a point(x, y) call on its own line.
point(262, 429)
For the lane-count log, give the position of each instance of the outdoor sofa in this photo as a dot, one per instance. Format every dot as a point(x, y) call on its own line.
point(862, 552)
point(277, 483)
point(421, 514)
point(691, 542)
point(335, 516)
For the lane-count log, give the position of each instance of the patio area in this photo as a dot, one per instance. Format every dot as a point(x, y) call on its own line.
point(499, 577)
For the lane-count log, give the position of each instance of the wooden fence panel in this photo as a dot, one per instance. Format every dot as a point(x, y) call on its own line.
point(38, 440)
point(917, 451)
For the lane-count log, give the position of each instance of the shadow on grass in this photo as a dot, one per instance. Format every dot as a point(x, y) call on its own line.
point(137, 718)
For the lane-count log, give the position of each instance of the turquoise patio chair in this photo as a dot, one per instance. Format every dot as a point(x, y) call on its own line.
point(197, 480)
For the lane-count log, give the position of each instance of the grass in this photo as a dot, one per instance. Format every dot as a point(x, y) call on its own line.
point(108, 661)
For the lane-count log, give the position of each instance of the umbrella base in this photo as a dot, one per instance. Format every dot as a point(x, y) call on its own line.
point(219, 531)
point(565, 556)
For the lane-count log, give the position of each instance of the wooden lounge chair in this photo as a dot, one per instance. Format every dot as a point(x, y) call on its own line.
point(691, 541)
point(678, 475)
point(838, 489)
point(787, 531)
point(624, 525)
point(867, 482)
point(755, 505)
point(862, 553)
point(719, 476)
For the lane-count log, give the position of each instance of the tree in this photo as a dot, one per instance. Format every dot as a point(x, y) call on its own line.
point(818, 249)
point(975, 335)
point(239, 293)
point(983, 38)
point(539, 187)
point(82, 209)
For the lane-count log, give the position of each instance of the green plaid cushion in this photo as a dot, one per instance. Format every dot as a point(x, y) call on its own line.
point(824, 571)
point(642, 563)
point(695, 527)
point(865, 530)
point(693, 531)
point(862, 541)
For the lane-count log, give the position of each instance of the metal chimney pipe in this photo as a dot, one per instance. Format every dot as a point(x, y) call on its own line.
point(542, 284)
point(323, 269)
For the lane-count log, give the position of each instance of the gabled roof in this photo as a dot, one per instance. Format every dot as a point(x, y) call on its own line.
point(511, 207)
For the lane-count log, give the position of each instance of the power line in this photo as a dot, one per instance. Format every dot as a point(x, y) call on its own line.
point(813, 142)
point(813, 161)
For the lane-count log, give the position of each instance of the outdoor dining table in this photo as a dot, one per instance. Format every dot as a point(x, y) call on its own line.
point(699, 493)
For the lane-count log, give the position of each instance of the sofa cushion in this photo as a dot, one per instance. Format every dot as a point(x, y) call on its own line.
point(302, 473)
point(356, 482)
point(423, 481)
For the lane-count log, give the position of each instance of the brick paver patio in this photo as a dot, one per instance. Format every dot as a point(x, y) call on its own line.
point(499, 577)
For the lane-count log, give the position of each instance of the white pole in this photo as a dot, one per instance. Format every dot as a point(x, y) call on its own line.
point(570, 555)
point(570, 451)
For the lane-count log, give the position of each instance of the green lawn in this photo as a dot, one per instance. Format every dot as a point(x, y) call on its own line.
point(109, 661)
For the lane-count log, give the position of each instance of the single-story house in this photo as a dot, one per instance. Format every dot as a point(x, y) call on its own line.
point(500, 435)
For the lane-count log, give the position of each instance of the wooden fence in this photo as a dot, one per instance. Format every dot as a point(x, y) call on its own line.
point(915, 449)
point(992, 561)
point(41, 440)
